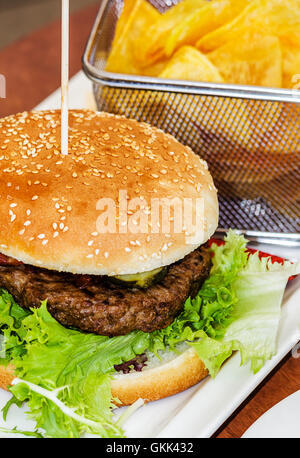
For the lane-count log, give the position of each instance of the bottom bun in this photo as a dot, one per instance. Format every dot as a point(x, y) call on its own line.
point(158, 382)
point(155, 382)
point(6, 376)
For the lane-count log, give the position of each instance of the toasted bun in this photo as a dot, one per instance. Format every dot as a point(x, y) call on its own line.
point(168, 378)
point(6, 376)
point(48, 204)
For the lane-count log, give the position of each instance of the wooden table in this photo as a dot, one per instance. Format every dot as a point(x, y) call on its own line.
point(32, 71)
point(31, 65)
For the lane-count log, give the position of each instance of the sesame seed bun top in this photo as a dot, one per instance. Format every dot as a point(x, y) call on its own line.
point(52, 212)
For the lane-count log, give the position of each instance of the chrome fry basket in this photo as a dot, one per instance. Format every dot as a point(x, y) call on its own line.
point(249, 135)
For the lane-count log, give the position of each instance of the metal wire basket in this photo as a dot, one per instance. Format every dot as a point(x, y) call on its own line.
point(249, 135)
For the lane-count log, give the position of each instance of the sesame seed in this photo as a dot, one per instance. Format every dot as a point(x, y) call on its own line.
point(92, 156)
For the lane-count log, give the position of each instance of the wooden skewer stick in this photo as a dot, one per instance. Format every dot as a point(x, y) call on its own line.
point(65, 77)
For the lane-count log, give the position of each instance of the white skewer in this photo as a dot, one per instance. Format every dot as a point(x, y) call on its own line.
point(64, 76)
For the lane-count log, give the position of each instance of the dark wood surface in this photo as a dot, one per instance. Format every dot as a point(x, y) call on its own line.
point(283, 381)
point(32, 70)
point(31, 65)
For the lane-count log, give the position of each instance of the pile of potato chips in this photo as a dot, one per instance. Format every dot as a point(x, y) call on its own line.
point(254, 42)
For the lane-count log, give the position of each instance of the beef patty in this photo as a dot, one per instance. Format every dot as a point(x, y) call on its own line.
point(94, 304)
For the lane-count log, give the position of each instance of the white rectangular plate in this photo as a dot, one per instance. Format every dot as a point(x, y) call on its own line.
point(201, 410)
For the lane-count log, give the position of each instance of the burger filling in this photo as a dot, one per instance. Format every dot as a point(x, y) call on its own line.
point(105, 305)
point(65, 375)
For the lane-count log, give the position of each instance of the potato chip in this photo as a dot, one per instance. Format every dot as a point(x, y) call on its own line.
point(151, 48)
point(124, 20)
point(136, 16)
point(202, 21)
point(190, 64)
point(253, 59)
point(239, 39)
point(291, 64)
point(154, 69)
point(273, 17)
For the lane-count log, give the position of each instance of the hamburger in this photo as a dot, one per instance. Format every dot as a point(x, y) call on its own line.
point(110, 292)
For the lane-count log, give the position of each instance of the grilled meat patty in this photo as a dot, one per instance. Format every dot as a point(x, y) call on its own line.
point(95, 304)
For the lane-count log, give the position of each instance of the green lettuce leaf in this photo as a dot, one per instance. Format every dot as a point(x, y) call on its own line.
point(253, 324)
point(52, 356)
point(212, 309)
point(14, 430)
